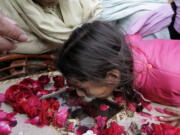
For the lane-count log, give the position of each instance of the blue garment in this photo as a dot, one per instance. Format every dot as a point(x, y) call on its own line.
point(126, 11)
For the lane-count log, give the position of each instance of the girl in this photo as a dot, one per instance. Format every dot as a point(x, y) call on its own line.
point(97, 60)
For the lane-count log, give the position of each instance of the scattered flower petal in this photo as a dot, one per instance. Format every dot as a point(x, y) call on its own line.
point(104, 107)
point(4, 128)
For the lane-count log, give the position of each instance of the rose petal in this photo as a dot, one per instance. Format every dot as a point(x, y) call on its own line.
point(60, 119)
point(34, 121)
point(2, 97)
point(100, 122)
point(81, 130)
point(143, 120)
point(144, 114)
point(148, 107)
point(4, 128)
point(160, 110)
point(104, 107)
point(71, 127)
point(156, 118)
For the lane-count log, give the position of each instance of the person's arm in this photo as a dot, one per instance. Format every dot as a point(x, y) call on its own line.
point(9, 33)
point(174, 120)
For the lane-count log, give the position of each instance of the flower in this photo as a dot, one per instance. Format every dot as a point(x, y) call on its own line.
point(16, 95)
point(71, 127)
point(119, 98)
point(104, 107)
point(46, 113)
point(41, 93)
point(4, 128)
point(32, 107)
point(114, 129)
point(32, 84)
point(2, 97)
point(81, 130)
point(58, 81)
point(34, 121)
point(61, 118)
point(160, 129)
point(146, 128)
point(100, 122)
point(43, 80)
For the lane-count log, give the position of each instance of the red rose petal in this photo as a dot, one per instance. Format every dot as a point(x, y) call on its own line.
point(81, 130)
point(115, 129)
point(71, 127)
point(104, 107)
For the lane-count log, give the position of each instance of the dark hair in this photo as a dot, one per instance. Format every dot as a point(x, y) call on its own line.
point(94, 49)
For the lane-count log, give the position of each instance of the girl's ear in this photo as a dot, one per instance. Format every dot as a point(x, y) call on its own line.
point(113, 76)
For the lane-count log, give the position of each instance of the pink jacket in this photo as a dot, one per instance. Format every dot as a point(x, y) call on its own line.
point(157, 69)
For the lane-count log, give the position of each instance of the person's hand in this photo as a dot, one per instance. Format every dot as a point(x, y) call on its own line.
point(46, 3)
point(9, 34)
point(174, 120)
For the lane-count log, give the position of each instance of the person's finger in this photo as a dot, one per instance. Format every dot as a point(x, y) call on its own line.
point(10, 21)
point(11, 30)
point(176, 112)
point(6, 45)
point(169, 118)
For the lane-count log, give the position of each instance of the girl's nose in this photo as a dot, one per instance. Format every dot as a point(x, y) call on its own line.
point(80, 93)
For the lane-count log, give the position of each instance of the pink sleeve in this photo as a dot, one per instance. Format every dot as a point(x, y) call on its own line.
point(153, 21)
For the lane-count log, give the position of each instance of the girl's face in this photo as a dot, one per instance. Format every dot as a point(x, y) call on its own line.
point(92, 89)
point(98, 89)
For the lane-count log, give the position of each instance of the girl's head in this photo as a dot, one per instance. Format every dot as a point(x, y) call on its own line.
point(96, 60)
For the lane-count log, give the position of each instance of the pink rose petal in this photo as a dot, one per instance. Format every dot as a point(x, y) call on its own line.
point(143, 120)
point(132, 107)
point(2, 115)
point(160, 110)
point(149, 107)
point(34, 121)
point(156, 118)
point(104, 107)
point(2, 97)
point(100, 122)
point(144, 114)
point(60, 119)
point(4, 128)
